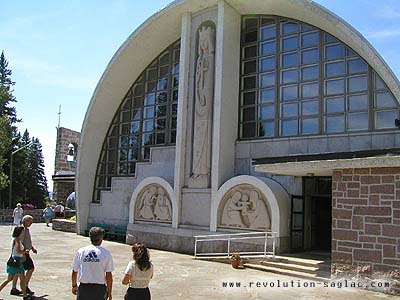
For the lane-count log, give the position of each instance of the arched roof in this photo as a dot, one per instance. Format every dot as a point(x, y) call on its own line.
point(162, 29)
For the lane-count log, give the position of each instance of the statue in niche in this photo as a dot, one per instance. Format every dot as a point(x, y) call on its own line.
point(245, 209)
point(155, 205)
point(204, 94)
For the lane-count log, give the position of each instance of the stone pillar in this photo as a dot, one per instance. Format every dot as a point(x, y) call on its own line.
point(183, 92)
point(226, 96)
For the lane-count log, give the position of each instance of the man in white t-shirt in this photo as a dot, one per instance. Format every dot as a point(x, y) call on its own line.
point(92, 267)
point(17, 214)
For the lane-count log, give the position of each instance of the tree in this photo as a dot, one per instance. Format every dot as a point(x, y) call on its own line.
point(20, 167)
point(29, 182)
point(4, 145)
point(7, 97)
point(36, 184)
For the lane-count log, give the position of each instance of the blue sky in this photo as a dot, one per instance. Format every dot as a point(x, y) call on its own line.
point(58, 50)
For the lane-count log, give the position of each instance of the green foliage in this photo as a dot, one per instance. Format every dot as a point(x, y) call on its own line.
point(6, 97)
point(36, 182)
point(5, 142)
point(29, 183)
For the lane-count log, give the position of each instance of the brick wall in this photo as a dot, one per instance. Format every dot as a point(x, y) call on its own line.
point(366, 222)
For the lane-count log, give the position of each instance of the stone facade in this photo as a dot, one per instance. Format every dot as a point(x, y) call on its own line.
point(62, 189)
point(64, 171)
point(366, 221)
point(65, 136)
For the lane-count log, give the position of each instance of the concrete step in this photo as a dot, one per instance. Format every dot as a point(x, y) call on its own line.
point(291, 267)
point(285, 265)
point(287, 272)
point(296, 261)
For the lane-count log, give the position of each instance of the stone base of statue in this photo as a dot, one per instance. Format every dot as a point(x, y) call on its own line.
point(199, 181)
point(196, 207)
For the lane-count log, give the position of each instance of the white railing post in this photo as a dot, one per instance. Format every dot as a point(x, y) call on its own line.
point(273, 245)
point(265, 244)
point(229, 245)
point(195, 246)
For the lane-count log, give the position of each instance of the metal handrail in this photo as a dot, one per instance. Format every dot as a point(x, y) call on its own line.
point(237, 236)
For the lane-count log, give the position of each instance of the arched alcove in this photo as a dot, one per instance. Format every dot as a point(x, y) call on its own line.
point(153, 201)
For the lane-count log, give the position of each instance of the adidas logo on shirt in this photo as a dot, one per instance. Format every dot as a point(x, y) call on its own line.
point(91, 257)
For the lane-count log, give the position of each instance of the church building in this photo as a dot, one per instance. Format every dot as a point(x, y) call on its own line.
point(244, 116)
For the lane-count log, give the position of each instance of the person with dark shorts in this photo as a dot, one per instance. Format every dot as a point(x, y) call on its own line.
point(28, 264)
point(138, 274)
point(92, 268)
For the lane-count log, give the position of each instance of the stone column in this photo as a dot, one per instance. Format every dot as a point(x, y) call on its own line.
point(225, 124)
point(182, 113)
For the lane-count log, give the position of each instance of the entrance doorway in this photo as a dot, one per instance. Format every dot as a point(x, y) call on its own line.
point(312, 216)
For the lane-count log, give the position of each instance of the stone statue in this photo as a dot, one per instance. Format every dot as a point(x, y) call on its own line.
point(154, 205)
point(231, 215)
point(245, 208)
point(162, 209)
point(147, 204)
point(204, 94)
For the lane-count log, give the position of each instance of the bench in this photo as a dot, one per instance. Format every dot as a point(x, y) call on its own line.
point(112, 232)
point(106, 227)
point(117, 232)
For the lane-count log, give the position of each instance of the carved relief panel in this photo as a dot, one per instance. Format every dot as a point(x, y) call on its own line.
point(204, 98)
point(154, 205)
point(245, 207)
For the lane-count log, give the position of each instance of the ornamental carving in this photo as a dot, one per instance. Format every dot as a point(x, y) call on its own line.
point(245, 207)
point(154, 205)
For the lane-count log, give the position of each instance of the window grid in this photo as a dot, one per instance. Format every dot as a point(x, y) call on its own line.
point(385, 108)
point(293, 78)
point(146, 118)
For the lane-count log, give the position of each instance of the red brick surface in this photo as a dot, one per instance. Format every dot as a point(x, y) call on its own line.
point(366, 218)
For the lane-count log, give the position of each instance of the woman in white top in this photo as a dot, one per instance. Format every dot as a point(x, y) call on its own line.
point(138, 274)
point(17, 254)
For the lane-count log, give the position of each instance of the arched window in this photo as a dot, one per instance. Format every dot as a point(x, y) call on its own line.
point(298, 80)
point(146, 118)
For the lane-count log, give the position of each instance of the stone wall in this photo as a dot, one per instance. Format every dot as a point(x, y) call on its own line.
point(63, 186)
point(62, 189)
point(64, 138)
point(64, 225)
point(6, 215)
point(37, 214)
point(366, 222)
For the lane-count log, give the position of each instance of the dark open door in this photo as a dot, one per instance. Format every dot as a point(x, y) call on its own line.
point(297, 224)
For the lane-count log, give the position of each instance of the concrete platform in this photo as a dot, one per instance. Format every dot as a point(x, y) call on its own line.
point(176, 276)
